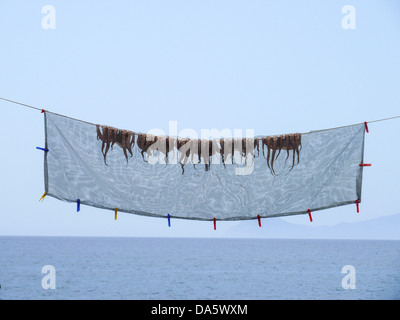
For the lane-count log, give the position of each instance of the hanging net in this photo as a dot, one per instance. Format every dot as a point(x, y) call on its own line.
point(226, 178)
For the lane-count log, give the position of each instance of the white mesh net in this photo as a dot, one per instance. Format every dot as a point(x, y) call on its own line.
point(155, 176)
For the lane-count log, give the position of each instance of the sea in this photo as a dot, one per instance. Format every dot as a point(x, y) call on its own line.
point(113, 268)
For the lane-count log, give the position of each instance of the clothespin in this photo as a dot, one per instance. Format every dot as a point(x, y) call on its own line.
point(357, 205)
point(259, 220)
point(78, 205)
point(169, 220)
point(43, 196)
point(215, 224)
point(366, 126)
point(309, 214)
point(43, 149)
point(43, 111)
point(116, 211)
point(365, 164)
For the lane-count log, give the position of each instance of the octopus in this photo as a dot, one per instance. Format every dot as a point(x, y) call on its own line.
point(183, 146)
point(289, 142)
point(206, 150)
point(248, 147)
point(109, 136)
point(222, 149)
point(243, 146)
point(200, 150)
point(165, 145)
point(144, 142)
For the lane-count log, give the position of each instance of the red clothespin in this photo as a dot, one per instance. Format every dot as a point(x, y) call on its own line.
point(358, 207)
point(365, 164)
point(43, 111)
point(215, 224)
point(259, 220)
point(366, 126)
point(309, 214)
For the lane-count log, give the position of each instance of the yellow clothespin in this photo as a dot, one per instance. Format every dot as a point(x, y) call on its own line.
point(43, 196)
point(116, 210)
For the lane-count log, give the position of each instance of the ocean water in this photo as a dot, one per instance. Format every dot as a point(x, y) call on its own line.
point(190, 268)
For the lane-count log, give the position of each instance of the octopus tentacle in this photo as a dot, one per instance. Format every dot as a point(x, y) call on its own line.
point(274, 146)
point(104, 140)
point(279, 143)
point(181, 145)
point(298, 147)
point(141, 142)
point(257, 145)
point(115, 137)
point(222, 151)
point(197, 150)
point(99, 134)
point(124, 139)
point(128, 144)
point(268, 139)
point(288, 145)
point(205, 155)
point(108, 139)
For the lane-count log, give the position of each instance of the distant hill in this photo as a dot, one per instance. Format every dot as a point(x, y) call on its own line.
point(382, 228)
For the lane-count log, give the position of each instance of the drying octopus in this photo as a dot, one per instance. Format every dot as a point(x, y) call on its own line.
point(204, 150)
point(288, 142)
point(149, 143)
point(244, 146)
point(109, 136)
point(201, 150)
point(144, 142)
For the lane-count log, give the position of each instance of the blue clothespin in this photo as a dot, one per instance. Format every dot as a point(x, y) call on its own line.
point(78, 207)
point(43, 149)
point(169, 220)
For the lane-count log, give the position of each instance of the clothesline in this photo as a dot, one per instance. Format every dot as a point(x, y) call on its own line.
point(62, 115)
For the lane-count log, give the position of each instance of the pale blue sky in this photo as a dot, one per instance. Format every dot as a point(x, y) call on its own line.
point(272, 66)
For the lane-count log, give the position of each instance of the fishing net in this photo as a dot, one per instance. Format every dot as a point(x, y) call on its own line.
point(226, 178)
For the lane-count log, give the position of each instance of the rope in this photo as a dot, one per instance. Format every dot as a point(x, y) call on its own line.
point(62, 115)
point(384, 119)
point(41, 109)
point(22, 104)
